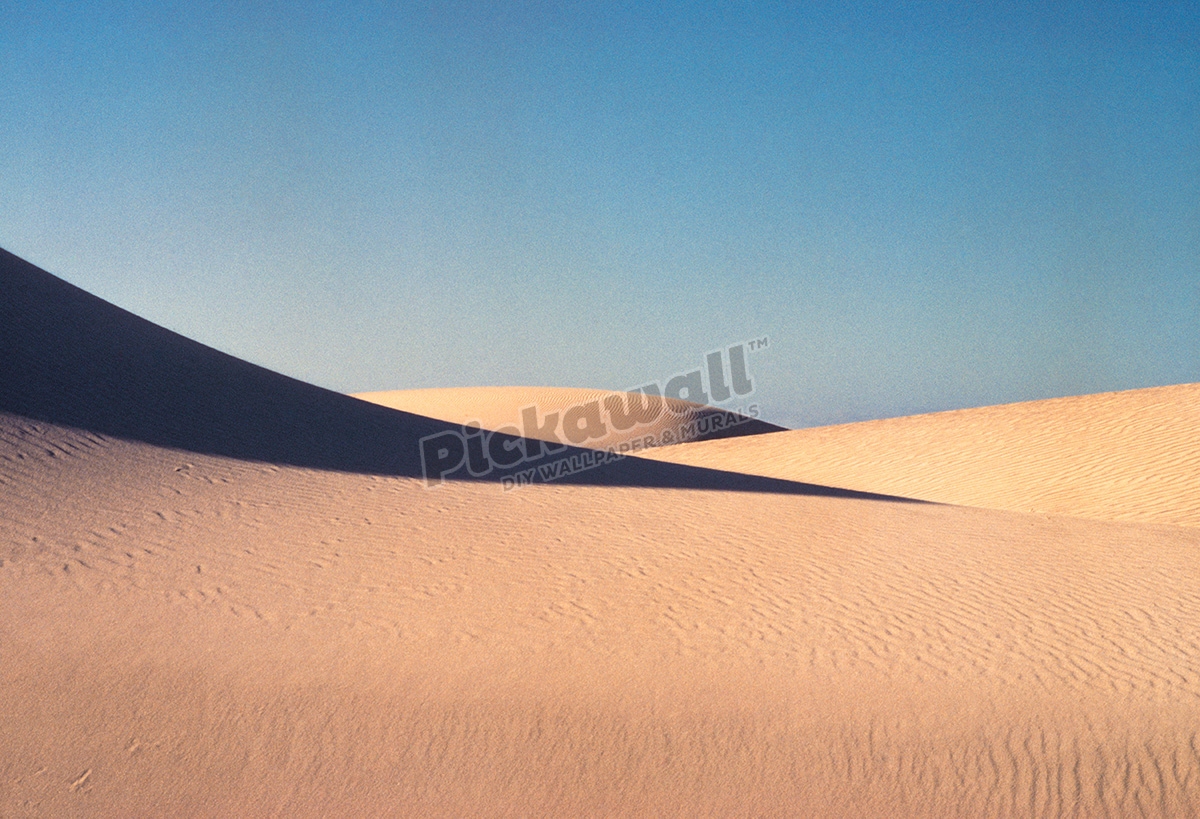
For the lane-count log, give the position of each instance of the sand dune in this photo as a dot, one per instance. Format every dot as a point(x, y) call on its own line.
point(1130, 455)
point(188, 627)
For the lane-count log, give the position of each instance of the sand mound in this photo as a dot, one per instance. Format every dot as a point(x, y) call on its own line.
point(1129, 455)
point(597, 419)
point(186, 632)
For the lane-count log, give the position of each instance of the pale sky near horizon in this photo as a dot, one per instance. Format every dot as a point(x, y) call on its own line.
point(923, 208)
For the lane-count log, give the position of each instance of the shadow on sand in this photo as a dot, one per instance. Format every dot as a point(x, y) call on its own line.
point(70, 358)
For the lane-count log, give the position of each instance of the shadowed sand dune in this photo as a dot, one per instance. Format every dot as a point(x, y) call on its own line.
point(72, 359)
point(1132, 455)
point(184, 632)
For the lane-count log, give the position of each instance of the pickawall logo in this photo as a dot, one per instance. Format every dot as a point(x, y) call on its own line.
point(609, 426)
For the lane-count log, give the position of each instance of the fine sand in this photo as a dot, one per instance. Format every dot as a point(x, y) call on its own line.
point(218, 599)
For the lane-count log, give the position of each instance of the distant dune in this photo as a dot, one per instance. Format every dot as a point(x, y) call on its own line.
point(227, 593)
point(1131, 455)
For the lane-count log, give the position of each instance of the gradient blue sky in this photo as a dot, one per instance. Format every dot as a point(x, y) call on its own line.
point(927, 207)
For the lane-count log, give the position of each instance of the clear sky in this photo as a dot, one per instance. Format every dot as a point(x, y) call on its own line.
point(928, 207)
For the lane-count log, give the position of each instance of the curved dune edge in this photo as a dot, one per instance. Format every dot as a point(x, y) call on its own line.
point(72, 359)
point(583, 417)
point(1132, 455)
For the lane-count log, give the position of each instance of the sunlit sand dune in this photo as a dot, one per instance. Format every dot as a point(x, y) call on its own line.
point(190, 628)
point(206, 636)
point(1131, 455)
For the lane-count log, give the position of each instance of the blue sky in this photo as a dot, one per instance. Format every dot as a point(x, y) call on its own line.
point(923, 208)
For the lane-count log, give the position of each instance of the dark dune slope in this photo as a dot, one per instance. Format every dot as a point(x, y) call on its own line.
point(70, 358)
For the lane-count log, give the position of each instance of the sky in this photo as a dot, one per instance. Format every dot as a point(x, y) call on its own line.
point(921, 206)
